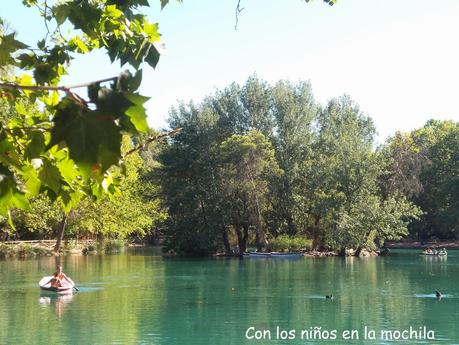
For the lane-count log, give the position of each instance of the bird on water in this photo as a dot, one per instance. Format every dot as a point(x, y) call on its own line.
point(329, 297)
point(438, 294)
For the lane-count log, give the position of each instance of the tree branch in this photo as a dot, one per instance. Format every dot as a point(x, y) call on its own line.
point(239, 9)
point(151, 139)
point(13, 86)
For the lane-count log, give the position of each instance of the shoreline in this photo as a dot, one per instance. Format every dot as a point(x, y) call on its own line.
point(30, 249)
point(412, 244)
point(40, 248)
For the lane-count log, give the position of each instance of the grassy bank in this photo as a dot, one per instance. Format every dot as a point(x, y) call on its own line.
point(28, 249)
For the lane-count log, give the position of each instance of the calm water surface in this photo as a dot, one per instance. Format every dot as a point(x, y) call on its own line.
point(141, 298)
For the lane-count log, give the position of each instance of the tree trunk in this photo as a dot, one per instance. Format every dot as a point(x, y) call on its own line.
point(226, 240)
point(60, 234)
point(316, 234)
point(260, 239)
point(291, 229)
point(245, 238)
point(240, 243)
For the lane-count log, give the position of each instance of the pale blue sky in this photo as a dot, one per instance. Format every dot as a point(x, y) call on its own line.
point(397, 59)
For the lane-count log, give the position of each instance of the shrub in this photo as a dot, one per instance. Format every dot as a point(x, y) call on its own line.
point(41, 251)
point(299, 243)
point(25, 250)
point(113, 246)
point(91, 248)
point(284, 243)
point(69, 245)
point(5, 251)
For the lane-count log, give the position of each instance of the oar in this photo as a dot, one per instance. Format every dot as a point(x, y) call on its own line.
point(73, 284)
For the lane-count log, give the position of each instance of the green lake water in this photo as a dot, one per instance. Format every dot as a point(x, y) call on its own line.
point(141, 298)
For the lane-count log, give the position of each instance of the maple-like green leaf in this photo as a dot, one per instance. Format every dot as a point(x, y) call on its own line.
point(136, 112)
point(36, 144)
point(68, 171)
point(50, 176)
point(92, 137)
point(10, 196)
point(32, 182)
point(70, 199)
point(8, 46)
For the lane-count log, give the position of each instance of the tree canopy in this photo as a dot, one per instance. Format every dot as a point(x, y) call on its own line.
point(61, 144)
point(257, 161)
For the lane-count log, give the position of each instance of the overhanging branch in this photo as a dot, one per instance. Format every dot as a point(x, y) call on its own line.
point(151, 139)
point(13, 86)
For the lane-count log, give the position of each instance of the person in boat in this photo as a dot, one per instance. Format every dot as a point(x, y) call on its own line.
point(428, 251)
point(58, 277)
point(442, 251)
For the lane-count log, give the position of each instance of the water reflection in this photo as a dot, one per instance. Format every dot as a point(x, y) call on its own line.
point(144, 299)
point(59, 302)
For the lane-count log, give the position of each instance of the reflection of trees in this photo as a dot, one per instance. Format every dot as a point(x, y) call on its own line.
point(377, 292)
point(106, 315)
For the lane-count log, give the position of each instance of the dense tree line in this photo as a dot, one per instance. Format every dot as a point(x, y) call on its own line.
point(256, 161)
point(424, 166)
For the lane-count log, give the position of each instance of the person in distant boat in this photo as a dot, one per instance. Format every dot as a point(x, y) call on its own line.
point(443, 251)
point(58, 277)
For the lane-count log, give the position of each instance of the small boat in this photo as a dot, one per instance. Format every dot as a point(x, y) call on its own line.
point(66, 288)
point(259, 255)
point(434, 253)
point(286, 255)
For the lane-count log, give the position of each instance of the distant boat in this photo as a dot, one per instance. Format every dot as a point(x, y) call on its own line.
point(286, 255)
point(259, 255)
point(276, 255)
point(440, 253)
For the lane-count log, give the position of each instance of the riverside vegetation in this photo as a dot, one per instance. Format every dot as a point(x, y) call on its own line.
point(257, 164)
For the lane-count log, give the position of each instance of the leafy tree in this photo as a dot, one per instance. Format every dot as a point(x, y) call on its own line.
point(134, 210)
point(406, 158)
point(371, 221)
point(261, 161)
point(341, 183)
point(249, 165)
point(294, 110)
point(126, 214)
point(423, 166)
point(61, 144)
point(190, 183)
point(41, 220)
point(342, 167)
point(439, 198)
